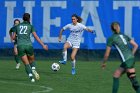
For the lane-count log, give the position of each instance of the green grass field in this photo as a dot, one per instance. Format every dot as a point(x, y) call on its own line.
point(90, 78)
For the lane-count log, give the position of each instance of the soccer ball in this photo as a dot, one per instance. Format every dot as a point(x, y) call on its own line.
point(55, 66)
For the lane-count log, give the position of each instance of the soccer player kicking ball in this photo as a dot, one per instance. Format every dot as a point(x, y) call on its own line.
point(24, 45)
point(74, 39)
point(121, 42)
point(16, 22)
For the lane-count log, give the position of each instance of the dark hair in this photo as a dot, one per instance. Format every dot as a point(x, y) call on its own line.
point(26, 17)
point(112, 26)
point(77, 17)
point(16, 20)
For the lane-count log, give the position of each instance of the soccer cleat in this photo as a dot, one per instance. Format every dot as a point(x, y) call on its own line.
point(73, 72)
point(32, 80)
point(17, 66)
point(62, 62)
point(36, 74)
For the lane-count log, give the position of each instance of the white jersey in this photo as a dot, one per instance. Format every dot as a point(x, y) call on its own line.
point(76, 32)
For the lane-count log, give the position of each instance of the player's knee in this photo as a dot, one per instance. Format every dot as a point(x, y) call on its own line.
point(131, 75)
point(65, 48)
point(15, 52)
point(116, 75)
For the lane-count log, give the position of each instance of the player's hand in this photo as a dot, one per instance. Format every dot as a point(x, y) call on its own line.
point(59, 39)
point(11, 39)
point(103, 65)
point(45, 47)
point(93, 32)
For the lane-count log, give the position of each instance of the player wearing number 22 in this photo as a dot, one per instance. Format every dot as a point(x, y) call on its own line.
point(24, 45)
point(121, 43)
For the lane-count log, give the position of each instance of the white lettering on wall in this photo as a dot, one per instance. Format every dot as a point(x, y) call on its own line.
point(90, 8)
point(128, 11)
point(47, 21)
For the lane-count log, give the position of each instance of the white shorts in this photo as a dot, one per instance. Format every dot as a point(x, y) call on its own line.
point(74, 44)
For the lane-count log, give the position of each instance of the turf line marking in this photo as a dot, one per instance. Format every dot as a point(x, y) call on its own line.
point(46, 89)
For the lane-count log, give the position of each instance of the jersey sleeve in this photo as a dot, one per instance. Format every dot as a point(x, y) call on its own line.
point(14, 29)
point(32, 29)
point(10, 31)
point(83, 26)
point(110, 42)
point(66, 26)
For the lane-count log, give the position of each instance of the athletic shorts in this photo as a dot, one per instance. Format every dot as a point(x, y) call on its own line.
point(128, 63)
point(74, 44)
point(25, 50)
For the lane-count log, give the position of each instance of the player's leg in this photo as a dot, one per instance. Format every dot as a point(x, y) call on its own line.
point(132, 76)
point(24, 58)
point(66, 46)
point(117, 74)
point(27, 67)
point(31, 58)
point(16, 57)
point(73, 61)
point(33, 66)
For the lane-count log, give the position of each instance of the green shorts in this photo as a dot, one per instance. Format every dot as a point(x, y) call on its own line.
point(128, 63)
point(25, 50)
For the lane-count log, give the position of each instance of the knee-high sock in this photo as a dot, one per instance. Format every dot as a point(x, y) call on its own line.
point(73, 63)
point(135, 84)
point(33, 65)
point(65, 55)
point(16, 58)
point(28, 70)
point(115, 85)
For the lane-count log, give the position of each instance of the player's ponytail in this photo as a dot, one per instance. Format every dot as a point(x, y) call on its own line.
point(26, 17)
point(78, 17)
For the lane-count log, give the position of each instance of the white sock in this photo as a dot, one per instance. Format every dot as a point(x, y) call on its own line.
point(73, 63)
point(65, 55)
point(30, 75)
point(33, 68)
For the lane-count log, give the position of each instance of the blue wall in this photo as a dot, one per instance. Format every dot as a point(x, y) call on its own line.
point(49, 16)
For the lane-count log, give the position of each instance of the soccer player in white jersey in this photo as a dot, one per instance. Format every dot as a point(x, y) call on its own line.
point(74, 39)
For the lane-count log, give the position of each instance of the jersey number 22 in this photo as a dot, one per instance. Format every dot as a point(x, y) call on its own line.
point(23, 30)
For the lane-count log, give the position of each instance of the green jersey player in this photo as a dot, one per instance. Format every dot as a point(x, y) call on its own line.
point(121, 43)
point(16, 22)
point(24, 45)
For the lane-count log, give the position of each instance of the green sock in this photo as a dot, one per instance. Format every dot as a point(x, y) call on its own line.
point(28, 68)
point(135, 84)
point(16, 58)
point(33, 65)
point(115, 85)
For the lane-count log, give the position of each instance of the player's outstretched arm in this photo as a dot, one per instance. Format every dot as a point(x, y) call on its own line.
point(38, 39)
point(60, 35)
point(89, 30)
point(106, 55)
point(135, 46)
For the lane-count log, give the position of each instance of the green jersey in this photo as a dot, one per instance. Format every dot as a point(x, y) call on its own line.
point(23, 31)
point(11, 31)
point(121, 42)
